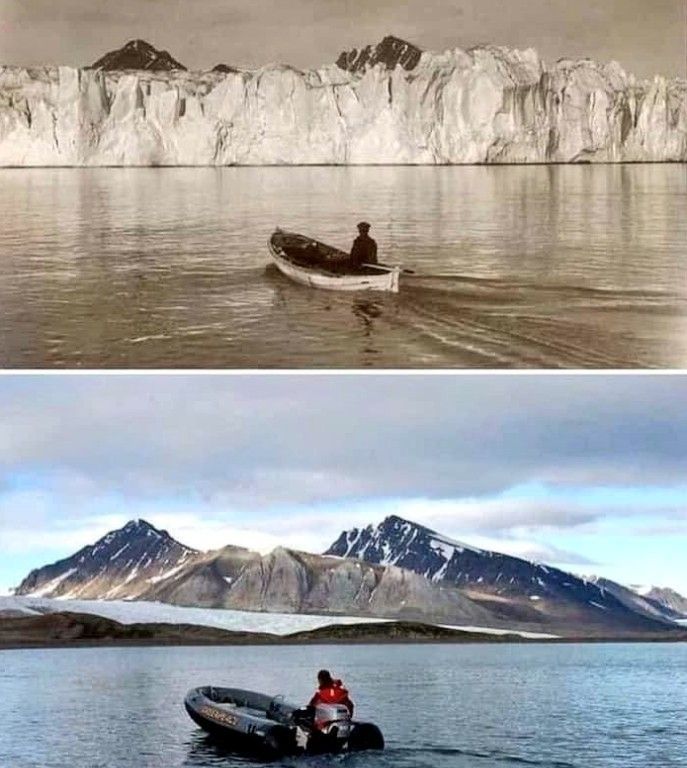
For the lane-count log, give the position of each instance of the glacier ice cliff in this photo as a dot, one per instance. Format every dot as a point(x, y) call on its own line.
point(485, 105)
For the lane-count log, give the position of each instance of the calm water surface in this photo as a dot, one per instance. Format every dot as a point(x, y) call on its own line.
point(541, 266)
point(588, 706)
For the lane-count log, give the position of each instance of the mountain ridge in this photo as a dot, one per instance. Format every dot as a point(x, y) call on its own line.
point(520, 587)
point(669, 598)
point(140, 562)
point(397, 570)
point(643, 603)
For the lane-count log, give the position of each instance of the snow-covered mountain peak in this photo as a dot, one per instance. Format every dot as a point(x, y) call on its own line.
point(135, 525)
point(136, 554)
point(503, 582)
point(394, 541)
point(134, 531)
point(140, 527)
point(408, 526)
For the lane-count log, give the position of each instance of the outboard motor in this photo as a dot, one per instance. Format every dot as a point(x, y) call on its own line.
point(333, 720)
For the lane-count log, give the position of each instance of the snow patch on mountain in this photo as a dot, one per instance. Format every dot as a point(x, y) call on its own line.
point(171, 572)
point(49, 587)
point(664, 596)
point(507, 585)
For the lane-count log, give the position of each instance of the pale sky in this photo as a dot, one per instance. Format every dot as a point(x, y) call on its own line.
point(646, 36)
point(588, 473)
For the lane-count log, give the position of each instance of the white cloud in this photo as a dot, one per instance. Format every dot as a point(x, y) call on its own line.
point(305, 439)
point(260, 461)
point(528, 550)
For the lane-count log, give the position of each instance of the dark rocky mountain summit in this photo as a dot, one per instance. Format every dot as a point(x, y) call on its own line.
point(224, 68)
point(391, 52)
point(509, 586)
point(138, 54)
point(124, 563)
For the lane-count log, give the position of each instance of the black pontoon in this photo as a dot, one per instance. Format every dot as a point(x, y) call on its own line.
point(255, 723)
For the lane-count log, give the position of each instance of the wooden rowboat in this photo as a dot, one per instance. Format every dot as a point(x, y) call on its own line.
point(310, 262)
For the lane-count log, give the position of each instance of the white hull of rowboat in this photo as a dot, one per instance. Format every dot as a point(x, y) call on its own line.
point(387, 280)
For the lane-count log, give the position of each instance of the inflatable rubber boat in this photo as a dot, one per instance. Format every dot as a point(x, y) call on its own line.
point(267, 726)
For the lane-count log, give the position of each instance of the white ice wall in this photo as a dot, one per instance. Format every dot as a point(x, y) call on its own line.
point(487, 105)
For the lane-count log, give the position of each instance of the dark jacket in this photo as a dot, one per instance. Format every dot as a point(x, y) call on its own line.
point(364, 251)
point(334, 693)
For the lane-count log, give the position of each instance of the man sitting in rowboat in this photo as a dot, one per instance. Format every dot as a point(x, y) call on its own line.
point(364, 249)
point(318, 265)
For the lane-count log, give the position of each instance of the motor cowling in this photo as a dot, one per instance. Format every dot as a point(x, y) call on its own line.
point(333, 720)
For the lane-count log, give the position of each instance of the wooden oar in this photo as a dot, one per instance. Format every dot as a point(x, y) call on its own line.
point(388, 268)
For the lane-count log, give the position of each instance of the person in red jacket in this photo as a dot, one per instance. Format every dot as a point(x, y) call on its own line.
point(330, 691)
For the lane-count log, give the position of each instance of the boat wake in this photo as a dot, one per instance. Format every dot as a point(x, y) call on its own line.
point(462, 758)
point(499, 323)
point(205, 752)
point(257, 317)
point(453, 320)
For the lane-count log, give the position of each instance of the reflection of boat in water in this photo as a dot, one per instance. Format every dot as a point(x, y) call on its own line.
point(318, 265)
point(258, 724)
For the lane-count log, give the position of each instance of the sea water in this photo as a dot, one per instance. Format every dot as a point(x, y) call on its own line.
point(439, 706)
point(527, 266)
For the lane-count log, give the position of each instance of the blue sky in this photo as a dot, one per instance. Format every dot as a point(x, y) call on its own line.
point(584, 472)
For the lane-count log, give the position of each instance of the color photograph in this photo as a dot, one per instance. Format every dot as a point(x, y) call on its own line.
point(231, 568)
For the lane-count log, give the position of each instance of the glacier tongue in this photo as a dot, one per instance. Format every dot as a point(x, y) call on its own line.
point(486, 105)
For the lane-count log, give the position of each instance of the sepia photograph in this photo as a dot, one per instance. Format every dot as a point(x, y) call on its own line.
point(343, 184)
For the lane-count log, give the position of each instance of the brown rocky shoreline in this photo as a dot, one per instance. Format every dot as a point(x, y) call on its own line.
point(67, 630)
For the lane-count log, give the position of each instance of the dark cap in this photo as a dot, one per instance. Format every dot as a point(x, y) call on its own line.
point(324, 676)
point(363, 225)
